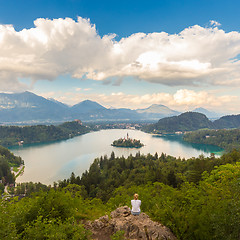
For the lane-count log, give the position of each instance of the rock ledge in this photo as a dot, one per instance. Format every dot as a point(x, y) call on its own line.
point(135, 227)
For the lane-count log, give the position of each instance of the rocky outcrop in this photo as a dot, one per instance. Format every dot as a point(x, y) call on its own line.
point(134, 227)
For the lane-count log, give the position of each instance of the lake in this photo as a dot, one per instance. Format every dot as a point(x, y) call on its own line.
point(51, 162)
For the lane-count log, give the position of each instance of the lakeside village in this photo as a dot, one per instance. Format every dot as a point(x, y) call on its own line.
point(127, 143)
point(131, 126)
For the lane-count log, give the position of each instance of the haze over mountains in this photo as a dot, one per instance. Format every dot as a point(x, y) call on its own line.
point(29, 108)
point(209, 114)
point(157, 111)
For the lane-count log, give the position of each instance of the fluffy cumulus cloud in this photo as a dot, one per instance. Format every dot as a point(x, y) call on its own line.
point(197, 55)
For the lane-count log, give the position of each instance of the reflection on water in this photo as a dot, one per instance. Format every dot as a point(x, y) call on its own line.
point(51, 162)
point(201, 147)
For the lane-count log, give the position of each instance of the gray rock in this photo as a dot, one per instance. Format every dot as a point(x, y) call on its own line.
point(134, 227)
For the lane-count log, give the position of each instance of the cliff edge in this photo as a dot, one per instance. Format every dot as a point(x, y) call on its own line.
point(134, 227)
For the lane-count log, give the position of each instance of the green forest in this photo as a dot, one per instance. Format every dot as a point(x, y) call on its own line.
point(191, 121)
point(14, 135)
point(197, 198)
point(227, 139)
point(188, 121)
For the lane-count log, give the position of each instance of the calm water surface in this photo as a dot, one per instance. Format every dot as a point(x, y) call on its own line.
point(47, 163)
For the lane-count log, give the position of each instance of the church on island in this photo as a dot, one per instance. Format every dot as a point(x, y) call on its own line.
point(127, 143)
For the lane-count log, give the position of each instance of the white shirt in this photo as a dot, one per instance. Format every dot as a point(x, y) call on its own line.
point(136, 205)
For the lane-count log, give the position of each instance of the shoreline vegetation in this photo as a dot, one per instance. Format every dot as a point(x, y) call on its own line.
point(11, 136)
point(17, 136)
point(127, 143)
point(228, 139)
point(10, 168)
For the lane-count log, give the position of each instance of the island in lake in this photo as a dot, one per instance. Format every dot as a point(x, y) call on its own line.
point(127, 143)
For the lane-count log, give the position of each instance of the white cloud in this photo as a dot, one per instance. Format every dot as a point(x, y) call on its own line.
point(197, 55)
point(215, 23)
point(182, 100)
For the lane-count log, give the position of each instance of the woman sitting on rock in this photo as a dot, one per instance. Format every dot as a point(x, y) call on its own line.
point(135, 205)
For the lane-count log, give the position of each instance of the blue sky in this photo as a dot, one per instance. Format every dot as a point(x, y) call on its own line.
point(125, 17)
point(127, 54)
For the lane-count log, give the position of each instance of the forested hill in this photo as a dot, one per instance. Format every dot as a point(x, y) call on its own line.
point(188, 121)
point(14, 135)
point(191, 121)
point(105, 174)
point(230, 121)
point(197, 198)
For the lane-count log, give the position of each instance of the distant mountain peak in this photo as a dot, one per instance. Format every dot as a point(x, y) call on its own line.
point(157, 105)
point(209, 114)
point(200, 109)
point(88, 101)
point(87, 106)
point(158, 109)
point(27, 92)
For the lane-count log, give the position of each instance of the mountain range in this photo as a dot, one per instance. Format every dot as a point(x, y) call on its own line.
point(29, 108)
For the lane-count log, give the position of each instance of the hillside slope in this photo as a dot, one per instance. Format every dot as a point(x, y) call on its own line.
point(29, 107)
point(188, 121)
point(230, 121)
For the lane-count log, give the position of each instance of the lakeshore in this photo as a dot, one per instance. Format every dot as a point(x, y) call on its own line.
point(49, 162)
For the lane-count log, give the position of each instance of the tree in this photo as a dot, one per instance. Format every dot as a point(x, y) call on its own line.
point(72, 178)
point(112, 156)
point(171, 177)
